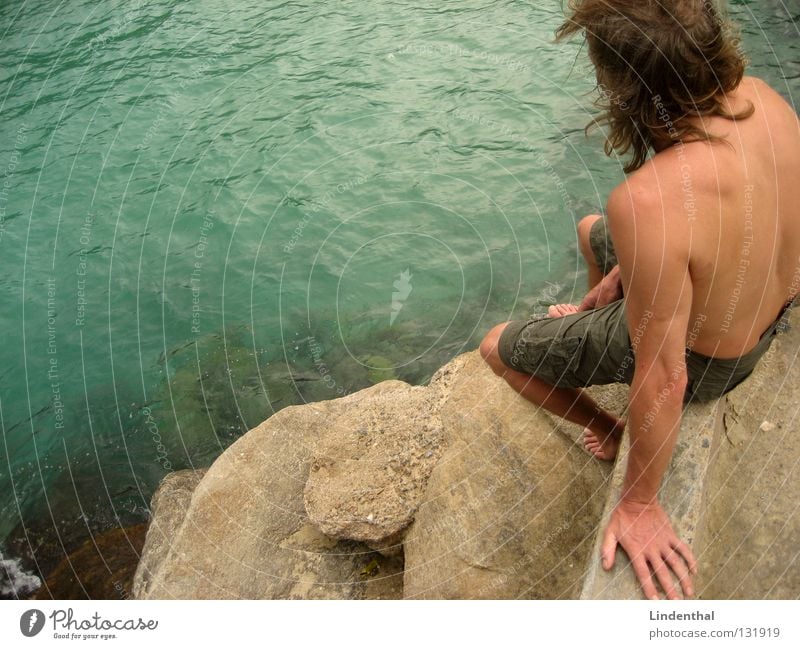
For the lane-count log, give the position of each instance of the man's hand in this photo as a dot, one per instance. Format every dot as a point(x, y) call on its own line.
point(607, 291)
point(646, 535)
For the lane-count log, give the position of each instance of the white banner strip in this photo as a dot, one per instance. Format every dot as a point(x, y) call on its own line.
point(397, 624)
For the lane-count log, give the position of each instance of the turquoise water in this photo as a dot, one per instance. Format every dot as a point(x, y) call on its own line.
point(211, 211)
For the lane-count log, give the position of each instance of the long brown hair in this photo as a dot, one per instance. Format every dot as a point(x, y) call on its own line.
point(658, 62)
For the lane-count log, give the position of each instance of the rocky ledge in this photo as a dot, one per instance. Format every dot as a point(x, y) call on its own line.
point(462, 489)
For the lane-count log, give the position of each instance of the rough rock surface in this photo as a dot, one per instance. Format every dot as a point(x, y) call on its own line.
point(747, 544)
point(245, 532)
point(370, 470)
point(731, 488)
point(167, 510)
point(511, 507)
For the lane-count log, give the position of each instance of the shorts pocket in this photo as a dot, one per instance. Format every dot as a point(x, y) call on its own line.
point(554, 360)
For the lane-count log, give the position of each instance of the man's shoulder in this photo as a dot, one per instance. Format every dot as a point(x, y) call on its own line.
point(667, 179)
point(648, 188)
point(758, 84)
point(648, 205)
point(754, 80)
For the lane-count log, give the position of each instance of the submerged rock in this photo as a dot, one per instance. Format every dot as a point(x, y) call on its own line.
point(101, 568)
point(379, 368)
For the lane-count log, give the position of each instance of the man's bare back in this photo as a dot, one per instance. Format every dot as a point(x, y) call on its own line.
point(742, 206)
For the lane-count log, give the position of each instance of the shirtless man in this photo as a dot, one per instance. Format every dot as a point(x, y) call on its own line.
point(705, 235)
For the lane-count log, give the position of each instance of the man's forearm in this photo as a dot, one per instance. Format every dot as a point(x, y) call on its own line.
point(656, 405)
point(608, 290)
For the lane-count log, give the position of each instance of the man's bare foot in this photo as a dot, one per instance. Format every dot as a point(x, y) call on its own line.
point(603, 446)
point(560, 310)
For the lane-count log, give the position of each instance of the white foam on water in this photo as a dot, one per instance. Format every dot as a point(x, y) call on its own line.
point(14, 581)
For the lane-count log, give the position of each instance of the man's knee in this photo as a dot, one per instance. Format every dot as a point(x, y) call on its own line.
point(489, 348)
point(584, 235)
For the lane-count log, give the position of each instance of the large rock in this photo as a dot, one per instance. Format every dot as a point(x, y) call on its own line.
point(167, 510)
point(511, 508)
point(245, 532)
point(283, 512)
point(747, 542)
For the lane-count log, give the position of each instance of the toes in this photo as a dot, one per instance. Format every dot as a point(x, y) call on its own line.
point(604, 449)
point(560, 310)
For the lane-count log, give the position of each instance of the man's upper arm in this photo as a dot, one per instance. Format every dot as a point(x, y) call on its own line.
point(653, 247)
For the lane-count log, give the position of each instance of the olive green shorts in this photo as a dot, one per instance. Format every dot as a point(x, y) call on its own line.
point(594, 347)
point(602, 247)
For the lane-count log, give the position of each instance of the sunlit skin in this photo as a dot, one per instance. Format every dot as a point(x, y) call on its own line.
point(683, 270)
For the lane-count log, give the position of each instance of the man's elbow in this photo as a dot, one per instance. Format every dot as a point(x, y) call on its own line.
point(660, 381)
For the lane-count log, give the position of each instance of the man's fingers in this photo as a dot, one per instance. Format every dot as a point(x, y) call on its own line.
point(686, 552)
point(608, 551)
point(679, 567)
point(642, 571)
point(664, 578)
